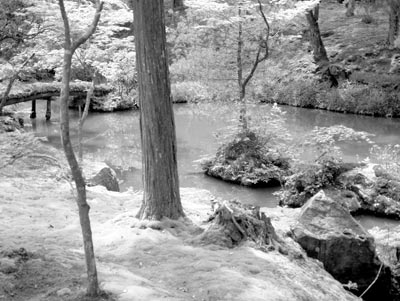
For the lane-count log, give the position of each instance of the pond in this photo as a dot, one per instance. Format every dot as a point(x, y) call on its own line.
point(115, 139)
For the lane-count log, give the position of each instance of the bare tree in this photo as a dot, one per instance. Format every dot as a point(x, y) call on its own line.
point(157, 125)
point(261, 55)
point(70, 47)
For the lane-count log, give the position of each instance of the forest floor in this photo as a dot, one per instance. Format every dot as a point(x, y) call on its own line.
point(358, 45)
point(41, 254)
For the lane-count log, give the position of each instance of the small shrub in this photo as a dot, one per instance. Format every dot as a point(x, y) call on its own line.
point(190, 92)
point(305, 94)
point(245, 160)
point(388, 156)
point(306, 181)
point(324, 142)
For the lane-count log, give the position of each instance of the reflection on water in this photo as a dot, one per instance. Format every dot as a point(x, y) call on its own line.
point(368, 222)
point(115, 138)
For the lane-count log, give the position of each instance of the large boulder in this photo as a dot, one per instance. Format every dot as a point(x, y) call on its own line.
point(328, 232)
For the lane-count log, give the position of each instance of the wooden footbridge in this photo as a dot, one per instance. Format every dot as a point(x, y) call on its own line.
point(50, 92)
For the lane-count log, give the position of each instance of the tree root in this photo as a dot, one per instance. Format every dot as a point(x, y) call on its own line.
point(233, 223)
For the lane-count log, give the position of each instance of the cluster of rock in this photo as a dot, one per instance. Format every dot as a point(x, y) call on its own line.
point(326, 230)
point(365, 189)
point(329, 194)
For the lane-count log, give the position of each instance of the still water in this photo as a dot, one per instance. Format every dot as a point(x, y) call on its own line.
point(115, 139)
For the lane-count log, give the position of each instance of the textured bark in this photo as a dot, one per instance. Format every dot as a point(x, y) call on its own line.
point(233, 223)
point(394, 16)
point(178, 4)
point(239, 67)
point(83, 207)
point(157, 125)
point(319, 51)
point(82, 119)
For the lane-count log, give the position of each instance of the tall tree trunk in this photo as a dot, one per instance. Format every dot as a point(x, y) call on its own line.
point(83, 207)
point(350, 7)
point(319, 51)
point(160, 174)
point(394, 15)
point(239, 67)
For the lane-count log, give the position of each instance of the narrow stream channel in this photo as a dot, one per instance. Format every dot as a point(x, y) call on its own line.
point(115, 139)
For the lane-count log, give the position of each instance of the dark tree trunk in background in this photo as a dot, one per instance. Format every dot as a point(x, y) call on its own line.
point(83, 207)
point(319, 51)
point(394, 16)
point(160, 174)
point(178, 4)
point(239, 67)
point(351, 6)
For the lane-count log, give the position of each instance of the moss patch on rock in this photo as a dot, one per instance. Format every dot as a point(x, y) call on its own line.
point(247, 161)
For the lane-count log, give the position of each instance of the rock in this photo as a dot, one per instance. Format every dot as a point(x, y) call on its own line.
point(387, 244)
point(308, 180)
point(378, 192)
point(328, 232)
point(8, 265)
point(10, 123)
point(347, 198)
point(363, 189)
point(395, 64)
point(107, 178)
point(388, 249)
point(64, 292)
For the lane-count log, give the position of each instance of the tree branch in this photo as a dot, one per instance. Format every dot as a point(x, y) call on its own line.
point(91, 29)
point(263, 45)
point(11, 82)
point(66, 25)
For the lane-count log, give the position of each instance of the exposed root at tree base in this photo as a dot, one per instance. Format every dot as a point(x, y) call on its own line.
point(233, 223)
